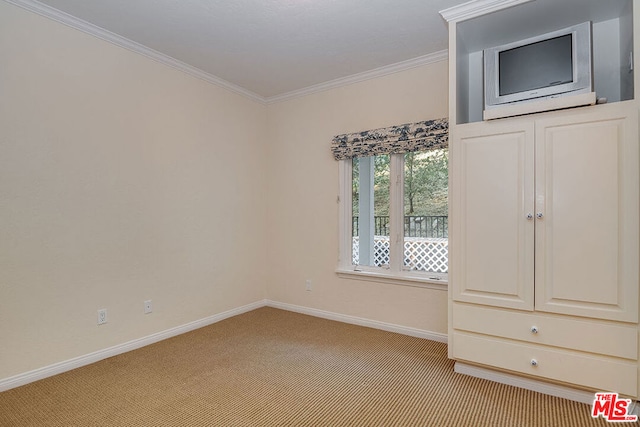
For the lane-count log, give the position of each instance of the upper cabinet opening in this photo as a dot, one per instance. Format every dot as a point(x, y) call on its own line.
point(612, 46)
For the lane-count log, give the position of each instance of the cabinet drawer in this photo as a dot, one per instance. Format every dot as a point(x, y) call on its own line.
point(610, 339)
point(597, 372)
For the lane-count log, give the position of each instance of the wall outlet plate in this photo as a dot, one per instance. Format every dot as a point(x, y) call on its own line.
point(148, 308)
point(102, 316)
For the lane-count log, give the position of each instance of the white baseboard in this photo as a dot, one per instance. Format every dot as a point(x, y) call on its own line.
point(389, 327)
point(526, 383)
point(67, 365)
point(77, 362)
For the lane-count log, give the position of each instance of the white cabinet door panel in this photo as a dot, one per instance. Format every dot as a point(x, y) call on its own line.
point(493, 179)
point(587, 193)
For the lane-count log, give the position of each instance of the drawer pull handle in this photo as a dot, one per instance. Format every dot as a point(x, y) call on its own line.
point(534, 329)
point(534, 362)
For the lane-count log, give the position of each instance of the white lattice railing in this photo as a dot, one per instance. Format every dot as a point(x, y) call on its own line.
point(423, 254)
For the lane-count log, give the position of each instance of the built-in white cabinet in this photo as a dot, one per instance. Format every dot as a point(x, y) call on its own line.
point(544, 245)
point(547, 212)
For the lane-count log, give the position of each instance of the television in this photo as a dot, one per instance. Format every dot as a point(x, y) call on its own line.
point(548, 66)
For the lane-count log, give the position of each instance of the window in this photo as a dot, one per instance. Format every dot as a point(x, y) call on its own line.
point(394, 213)
point(426, 211)
point(370, 210)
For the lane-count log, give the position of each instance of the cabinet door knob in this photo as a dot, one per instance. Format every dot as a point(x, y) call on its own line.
point(534, 362)
point(534, 329)
point(529, 216)
point(539, 215)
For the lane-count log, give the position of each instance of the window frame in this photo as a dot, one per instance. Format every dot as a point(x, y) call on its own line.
point(395, 272)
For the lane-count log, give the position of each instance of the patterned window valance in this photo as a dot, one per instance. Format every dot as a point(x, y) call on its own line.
point(421, 136)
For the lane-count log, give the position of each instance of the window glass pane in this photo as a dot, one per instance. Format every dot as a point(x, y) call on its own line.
point(426, 221)
point(370, 211)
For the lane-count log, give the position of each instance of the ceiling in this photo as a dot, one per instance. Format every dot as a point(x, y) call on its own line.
point(271, 48)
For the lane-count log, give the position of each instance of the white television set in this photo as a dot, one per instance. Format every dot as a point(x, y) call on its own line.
point(553, 65)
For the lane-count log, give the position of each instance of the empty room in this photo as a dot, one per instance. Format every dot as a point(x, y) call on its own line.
point(319, 213)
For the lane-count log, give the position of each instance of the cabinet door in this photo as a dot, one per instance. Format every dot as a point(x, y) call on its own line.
point(587, 194)
point(491, 239)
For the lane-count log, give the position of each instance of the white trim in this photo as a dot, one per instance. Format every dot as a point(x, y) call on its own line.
point(353, 320)
point(77, 362)
point(403, 278)
point(396, 214)
point(526, 383)
point(106, 35)
point(477, 8)
point(345, 212)
point(442, 55)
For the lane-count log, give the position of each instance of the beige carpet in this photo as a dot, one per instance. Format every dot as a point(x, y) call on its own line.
point(275, 368)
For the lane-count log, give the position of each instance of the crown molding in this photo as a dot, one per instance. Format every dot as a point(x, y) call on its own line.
point(477, 8)
point(106, 35)
point(360, 77)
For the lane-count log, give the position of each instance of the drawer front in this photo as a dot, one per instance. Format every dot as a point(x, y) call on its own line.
point(610, 339)
point(597, 372)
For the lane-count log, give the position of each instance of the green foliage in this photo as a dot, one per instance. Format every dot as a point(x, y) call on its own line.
point(381, 185)
point(355, 187)
point(426, 183)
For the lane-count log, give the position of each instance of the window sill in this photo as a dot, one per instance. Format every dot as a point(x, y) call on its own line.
point(403, 279)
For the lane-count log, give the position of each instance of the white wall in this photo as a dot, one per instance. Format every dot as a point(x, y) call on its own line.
point(303, 236)
point(121, 180)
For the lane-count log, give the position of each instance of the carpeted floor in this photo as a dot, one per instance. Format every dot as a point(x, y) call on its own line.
point(271, 367)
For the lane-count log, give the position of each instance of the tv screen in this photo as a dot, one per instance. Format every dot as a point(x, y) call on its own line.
point(536, 65)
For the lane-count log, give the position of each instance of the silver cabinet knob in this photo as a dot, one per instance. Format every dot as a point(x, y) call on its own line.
point(529, 216)
point(534, 329)
point(534, 362)
point(539, 215)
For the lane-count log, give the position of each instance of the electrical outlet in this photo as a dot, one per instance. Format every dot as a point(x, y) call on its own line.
point(307, 284)
point(148, 308)
point(102, 316)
